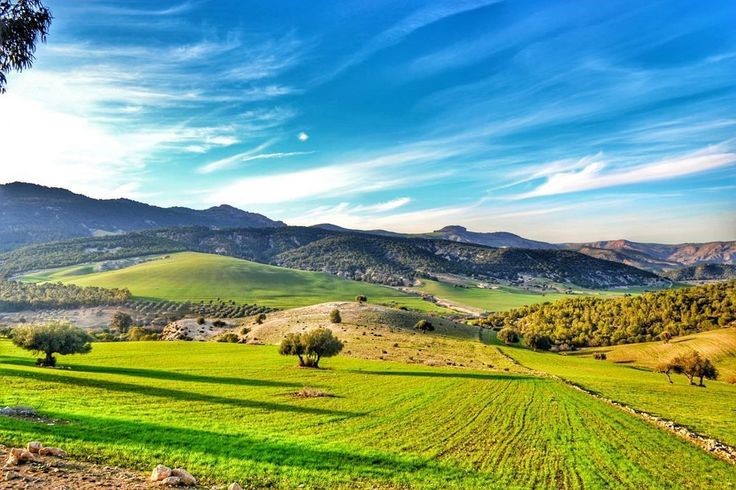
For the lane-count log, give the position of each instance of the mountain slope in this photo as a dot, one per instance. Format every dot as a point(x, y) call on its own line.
point(31, 213)
point(498, 239)
point(703, 272)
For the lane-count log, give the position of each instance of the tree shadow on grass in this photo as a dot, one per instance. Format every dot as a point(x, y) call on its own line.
point(196, 447)
point(160, 392)
point(162, 375)
point(445, 374)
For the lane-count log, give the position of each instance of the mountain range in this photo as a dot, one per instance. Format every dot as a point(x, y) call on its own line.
point(32, 214)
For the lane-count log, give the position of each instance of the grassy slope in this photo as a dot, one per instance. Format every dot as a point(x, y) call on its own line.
point(502, 299)
point(717, 345)
point(224, 411)
point(707, 410)
point(196, 276)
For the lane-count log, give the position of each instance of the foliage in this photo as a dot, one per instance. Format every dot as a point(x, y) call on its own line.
point(424, 326)
point(508, 336)
point(260, 318)
point(361, 298)
point(229, 337)
point(136, 334)
point(692, 365)
point(219, 324)
point(335, 316)
point(703, 272)
point(311, 346)
point(52, 338)
point(121, 322)
point(591, 321)
point(23, 23)
point(537, 341)
point(16, 296)
point(600, 356)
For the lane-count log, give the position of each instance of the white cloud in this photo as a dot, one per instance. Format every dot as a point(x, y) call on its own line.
point(302, 136)
point(593, 175)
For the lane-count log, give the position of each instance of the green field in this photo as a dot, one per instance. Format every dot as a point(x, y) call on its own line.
point(190, 276)
point(710, 410)
point(501, 299)
point(226, 413)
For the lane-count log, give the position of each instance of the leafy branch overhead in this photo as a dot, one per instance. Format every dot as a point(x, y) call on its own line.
point(23, 24)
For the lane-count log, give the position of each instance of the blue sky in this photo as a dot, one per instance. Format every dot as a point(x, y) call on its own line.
point(561, 121)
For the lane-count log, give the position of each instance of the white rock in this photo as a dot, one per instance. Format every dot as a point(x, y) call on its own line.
point(160, 473)
point(234, 486)
point(185, 477)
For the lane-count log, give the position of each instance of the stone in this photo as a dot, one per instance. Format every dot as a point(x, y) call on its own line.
point(18, 456)
point(34, 447)
point(172, 481)
point(52, 451)
point(234, 486)
point(11, 475)
point(160, 473)
point(185, 477)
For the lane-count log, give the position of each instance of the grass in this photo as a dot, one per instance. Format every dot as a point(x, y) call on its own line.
point(709, 410)
point(190, 276)
point(228, 412)
point(501, 299)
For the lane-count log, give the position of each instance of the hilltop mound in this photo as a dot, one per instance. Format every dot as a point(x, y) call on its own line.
point(378, 332)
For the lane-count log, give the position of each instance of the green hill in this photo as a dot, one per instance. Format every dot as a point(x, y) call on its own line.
point(191, 276)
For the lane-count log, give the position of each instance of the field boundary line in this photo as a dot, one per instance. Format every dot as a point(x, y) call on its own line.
point(717, 448)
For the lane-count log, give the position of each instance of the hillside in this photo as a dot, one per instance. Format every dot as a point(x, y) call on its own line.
point(195, 277)
point(598, 322)
point(31, 213)
point(703, 272)
point(498, 239)
point(359, 256)
point(660, 257)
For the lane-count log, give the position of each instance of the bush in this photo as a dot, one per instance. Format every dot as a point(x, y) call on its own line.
point(361, 298)
point(538, 341)
point(52, 338)
point(260, 318)
point(229, 337)
point(137, 334)
point(121, 322)
point(508, 336)
point(310, 347)
point(600, 356)
point(424, 326)
point(219, 324)
point(335, 316)
point(200, 320)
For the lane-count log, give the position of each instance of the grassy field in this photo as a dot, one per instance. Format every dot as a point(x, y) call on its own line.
point(710, 410)
point(196, 276)
point(501, 299)
point(226, 412)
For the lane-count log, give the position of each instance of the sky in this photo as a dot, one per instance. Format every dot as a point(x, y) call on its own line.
point(559, 121)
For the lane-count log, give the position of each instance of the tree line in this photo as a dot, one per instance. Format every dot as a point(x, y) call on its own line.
point(17, 296)
point(591, 322)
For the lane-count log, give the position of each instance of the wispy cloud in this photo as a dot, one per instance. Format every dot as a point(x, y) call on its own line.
point(248, 156)
point(594, 174)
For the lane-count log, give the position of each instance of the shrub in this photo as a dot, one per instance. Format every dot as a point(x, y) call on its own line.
point(136, 334)
point(52, 338)
point(229, 337)
point(361, 298)
point(219, 324)
point(310, 347)
point(508, 336)
point(335, 316)
point(538, 341)
point(244, 331)
point(200, 320)
point(600, 356)
point(424, 326)
point(260, 318)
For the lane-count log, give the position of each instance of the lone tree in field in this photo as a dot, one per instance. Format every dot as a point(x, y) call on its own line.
point(424, 326)
point(693, 365)
point(23, 23)
point(335, 316)
point(121, 322)
point(310, 347)
point(508, 336)
point(53, 338)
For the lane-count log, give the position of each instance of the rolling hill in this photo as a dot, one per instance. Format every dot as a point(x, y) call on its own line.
point(703, 272)
point(190, 276)
point(32, 213)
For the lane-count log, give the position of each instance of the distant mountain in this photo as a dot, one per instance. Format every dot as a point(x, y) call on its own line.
point(703, 272)
point(373, 258)
point(32, 213)
point(660, 257)
point(498, 239)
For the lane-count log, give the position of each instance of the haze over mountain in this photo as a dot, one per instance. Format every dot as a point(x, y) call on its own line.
point(31, 213)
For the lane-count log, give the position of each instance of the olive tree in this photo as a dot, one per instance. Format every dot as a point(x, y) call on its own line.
point(121, 322)
point(52, 338)
point(693, 366)
point(311, 347)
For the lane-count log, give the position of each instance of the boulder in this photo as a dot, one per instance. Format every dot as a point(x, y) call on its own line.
point(160, 473)
point(52, 451)
point(18, 456)
point(172, 481)
point(184, 476)
point(234, 486)
point(34, 447)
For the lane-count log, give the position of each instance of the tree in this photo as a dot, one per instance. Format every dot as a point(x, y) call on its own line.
point(311, 347)
point(335, 316)
point(121, 322)
point(361, 298)
point(508, 336)
point(538, 341)
point(260, 318)
point(23, 24)
point(424, 326)
point(693, 365)
point(52, 338)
